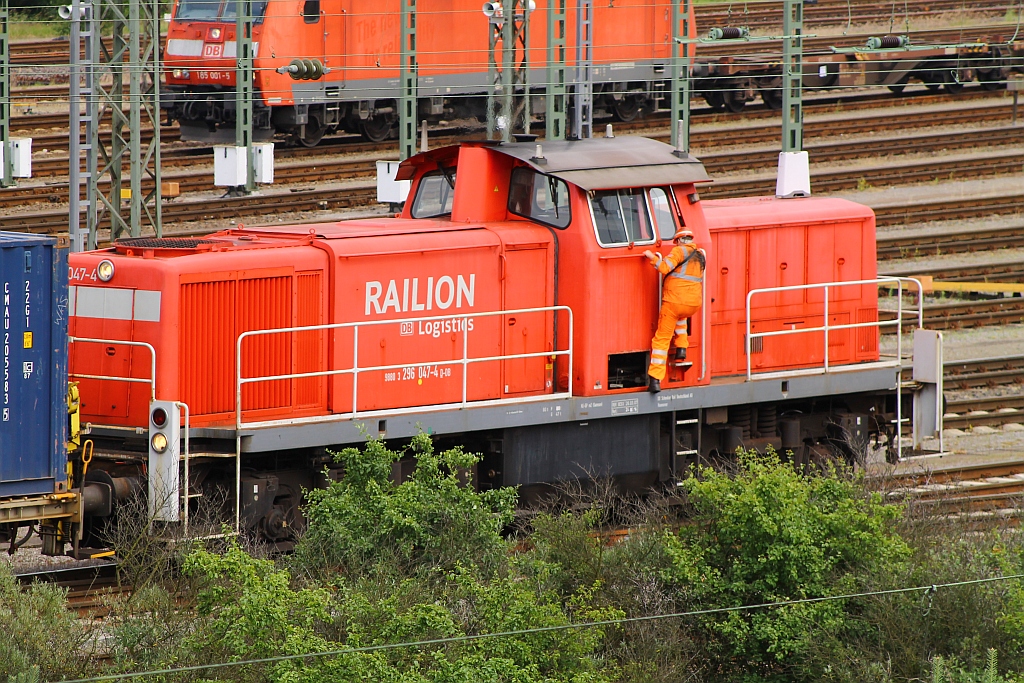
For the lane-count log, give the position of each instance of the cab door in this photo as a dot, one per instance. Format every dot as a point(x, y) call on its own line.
point(525, 284)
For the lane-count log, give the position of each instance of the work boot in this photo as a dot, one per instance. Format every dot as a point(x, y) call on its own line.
point(680, 354)
point(655, 386)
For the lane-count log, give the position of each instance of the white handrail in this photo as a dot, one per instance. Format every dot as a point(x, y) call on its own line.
point(826, 327)
point(113, 378)
point(355, 370)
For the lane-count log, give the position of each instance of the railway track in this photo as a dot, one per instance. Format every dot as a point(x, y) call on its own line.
point(87, 588)
point(952, 242)
point(983, 491)
point(1000, 271)
point(311, 164)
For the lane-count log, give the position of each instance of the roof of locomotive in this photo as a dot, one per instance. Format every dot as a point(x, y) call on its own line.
point(747, 212)
point(592, 164)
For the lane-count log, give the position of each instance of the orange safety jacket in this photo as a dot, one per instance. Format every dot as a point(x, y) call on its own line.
point(684, 276)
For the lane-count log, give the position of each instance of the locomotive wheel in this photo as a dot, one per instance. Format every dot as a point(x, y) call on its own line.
point(735, 102)
point(376, 128)
point(312, 133)
point(898, 88)
point(628, 108)
point(715, 100)
point(933, 87)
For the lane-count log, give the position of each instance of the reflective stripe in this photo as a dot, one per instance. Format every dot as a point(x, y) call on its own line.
point(659, 262)
point(657, 361)
point(180, 47)
point(691, 278)
point(112, 303)
point(147, 305)
point(659, 352)
point(115, 303)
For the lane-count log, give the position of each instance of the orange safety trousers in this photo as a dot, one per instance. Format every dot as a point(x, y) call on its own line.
point(671, 323)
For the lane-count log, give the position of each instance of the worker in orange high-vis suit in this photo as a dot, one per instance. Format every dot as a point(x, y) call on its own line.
point(681, 296)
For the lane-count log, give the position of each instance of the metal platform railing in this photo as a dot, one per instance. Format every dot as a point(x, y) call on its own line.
point(151, 380)
point(826, 328)
point(355, 370)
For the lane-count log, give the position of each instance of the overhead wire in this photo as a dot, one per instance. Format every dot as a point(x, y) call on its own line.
point(928, 590)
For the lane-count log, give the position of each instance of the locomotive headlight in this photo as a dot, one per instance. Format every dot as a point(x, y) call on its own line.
point(184, 73)
point(158, 442)
point(105, 270)
point(215, 33)
point(177, 73)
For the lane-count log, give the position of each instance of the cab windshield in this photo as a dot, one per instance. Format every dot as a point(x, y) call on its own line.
point(216, 10)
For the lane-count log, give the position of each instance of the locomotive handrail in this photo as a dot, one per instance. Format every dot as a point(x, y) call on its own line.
point(355, 370)
point(114, 378)
point(897, 322)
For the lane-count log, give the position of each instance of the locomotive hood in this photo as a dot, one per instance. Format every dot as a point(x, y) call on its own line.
point(593, 164)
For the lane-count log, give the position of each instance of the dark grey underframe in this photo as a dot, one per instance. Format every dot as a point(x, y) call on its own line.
point(726, 392)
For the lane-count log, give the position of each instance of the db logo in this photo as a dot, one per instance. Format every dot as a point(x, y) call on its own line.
point(407, 329)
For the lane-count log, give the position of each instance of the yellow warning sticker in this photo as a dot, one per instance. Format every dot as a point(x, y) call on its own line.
point(27, 341)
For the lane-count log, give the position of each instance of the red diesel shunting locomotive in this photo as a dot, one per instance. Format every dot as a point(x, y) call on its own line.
point(509, 307)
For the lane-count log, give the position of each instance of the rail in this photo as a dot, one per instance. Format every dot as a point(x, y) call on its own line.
point(826, 327)
point(151, 381)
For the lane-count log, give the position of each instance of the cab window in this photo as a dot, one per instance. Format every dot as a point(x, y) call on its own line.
point(434, 195)
point(661, 208)
point(215, 10)
point(539, 197)
point(621, 217)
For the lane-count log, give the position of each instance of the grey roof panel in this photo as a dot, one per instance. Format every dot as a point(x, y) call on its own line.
point(605, 163)
point(594, 164)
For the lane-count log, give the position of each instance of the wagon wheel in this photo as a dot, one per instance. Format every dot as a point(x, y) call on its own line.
point(376, 128)
point(735, 101)
point(628, 108)
point(772, 96)
point(311, 134)
point(991, 79)
point(899, 87)
point(714, 99)
point(951, 83)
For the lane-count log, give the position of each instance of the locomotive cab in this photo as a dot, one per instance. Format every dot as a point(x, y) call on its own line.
point(605, 201)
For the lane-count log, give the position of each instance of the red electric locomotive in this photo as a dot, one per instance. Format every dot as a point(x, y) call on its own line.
point(354, 49)
point(509, 308)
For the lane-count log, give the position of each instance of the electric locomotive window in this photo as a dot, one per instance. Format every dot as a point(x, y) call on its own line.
point(661, 207)
point(621, 217)
point(434, 196)
point(311, 11)
point(208, 10)
point(539, 197)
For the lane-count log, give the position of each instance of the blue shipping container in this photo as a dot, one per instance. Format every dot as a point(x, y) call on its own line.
point(33, 394)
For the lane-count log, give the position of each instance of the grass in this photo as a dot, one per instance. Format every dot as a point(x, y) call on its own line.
point(36, 27)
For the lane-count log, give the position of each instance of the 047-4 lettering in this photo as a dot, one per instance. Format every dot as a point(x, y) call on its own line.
point(418, 372)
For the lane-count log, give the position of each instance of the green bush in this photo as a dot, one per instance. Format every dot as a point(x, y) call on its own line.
point(434, 519)
point(768, 534)
point(423, 560)
point(40, 634)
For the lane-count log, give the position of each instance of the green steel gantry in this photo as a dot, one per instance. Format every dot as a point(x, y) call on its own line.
point(134, 26)
point(7, 169)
